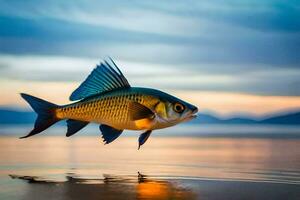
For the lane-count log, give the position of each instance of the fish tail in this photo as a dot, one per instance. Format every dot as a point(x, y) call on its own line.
point(45, 111)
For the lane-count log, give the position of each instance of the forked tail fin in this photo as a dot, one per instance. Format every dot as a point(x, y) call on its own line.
point(45, 111)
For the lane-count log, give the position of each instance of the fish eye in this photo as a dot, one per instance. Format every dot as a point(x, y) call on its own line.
point(178, 107)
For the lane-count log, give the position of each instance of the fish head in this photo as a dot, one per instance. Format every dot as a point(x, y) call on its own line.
point(171, 110)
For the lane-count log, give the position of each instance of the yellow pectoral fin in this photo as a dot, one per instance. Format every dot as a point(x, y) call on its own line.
point(145, 123)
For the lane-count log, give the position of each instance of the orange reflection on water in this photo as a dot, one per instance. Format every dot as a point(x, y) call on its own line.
point(161, 190)
point(152, 190)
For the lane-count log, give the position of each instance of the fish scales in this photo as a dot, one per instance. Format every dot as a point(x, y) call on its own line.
point(110, 108)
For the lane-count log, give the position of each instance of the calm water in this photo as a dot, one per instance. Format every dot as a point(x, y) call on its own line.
point(165, 168)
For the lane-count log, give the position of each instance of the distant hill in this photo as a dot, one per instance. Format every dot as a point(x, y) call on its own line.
point(210, 119)
point(292, 118)
point(11, 116)
point(280, 119)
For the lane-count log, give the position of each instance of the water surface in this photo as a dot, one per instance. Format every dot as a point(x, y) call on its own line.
point(164, 168)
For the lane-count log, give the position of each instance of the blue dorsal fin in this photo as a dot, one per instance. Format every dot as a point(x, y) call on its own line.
point(105, 77)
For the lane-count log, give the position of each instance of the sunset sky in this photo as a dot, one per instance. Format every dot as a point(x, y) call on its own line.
point(224, 56)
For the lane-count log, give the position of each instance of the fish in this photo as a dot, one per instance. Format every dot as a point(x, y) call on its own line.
point(105, 97)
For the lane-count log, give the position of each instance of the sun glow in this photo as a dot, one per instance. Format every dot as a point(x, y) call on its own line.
point(220, 102)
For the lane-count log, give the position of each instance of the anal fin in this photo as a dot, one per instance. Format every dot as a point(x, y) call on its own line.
point(144, 137)
point(109, 133)
point(74, 126)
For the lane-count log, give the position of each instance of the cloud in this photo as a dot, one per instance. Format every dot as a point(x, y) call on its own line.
point(273, 15)
point(74, 70)
point(249, 46)
point(231, 46)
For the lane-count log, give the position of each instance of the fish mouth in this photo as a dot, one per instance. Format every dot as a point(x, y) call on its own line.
point(194, 111)
point(190, 117)
point(193, 115)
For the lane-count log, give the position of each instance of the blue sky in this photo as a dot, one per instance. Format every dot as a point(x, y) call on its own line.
point(243, 47)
